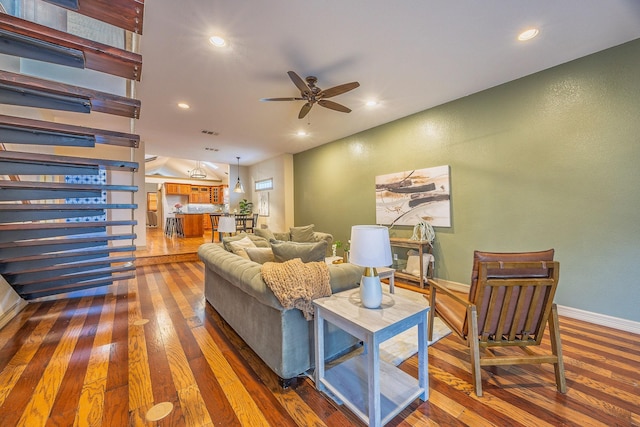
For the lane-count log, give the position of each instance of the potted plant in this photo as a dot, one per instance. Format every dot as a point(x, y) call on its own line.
point(246, 207)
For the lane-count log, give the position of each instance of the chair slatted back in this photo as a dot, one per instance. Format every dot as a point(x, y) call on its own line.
point(480, 256)
point(514, 300)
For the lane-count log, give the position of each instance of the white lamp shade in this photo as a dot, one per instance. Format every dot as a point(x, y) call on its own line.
point(227, 224)
point(370, 246)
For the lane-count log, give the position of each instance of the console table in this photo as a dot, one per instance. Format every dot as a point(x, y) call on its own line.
point(376, 391)
point(423, 246)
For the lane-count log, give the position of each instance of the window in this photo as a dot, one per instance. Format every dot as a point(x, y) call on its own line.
point(264, 184)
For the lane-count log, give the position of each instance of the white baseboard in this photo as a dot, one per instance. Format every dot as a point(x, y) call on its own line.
point(600, 319)
point(12, 312)
point(574, 313)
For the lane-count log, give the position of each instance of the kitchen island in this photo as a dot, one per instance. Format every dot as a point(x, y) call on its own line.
point(192, 224)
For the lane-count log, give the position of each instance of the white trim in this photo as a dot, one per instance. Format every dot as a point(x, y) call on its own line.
point(600, 319)
point(12, 312)
point(574, 313)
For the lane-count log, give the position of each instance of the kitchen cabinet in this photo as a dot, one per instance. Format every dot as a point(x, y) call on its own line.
point(217, 194)
point(200, 194)
point(172, 188)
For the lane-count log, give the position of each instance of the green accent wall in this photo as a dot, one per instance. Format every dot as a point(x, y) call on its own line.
point(551, 160)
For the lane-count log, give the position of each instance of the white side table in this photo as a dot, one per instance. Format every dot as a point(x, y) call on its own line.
point(374, 390)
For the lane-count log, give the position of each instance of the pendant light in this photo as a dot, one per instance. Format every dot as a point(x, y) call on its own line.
point(198, 172)
point(238, 188)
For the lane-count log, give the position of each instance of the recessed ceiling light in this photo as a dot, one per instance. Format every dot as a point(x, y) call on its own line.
point(301, 133)
point(371, 103)
point(184, 105)
point(217, 41)
point(528, 34)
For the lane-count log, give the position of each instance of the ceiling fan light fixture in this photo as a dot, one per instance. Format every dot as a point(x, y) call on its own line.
point(238, 187)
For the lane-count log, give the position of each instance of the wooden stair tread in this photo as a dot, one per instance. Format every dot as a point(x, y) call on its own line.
point(77, 286)
point(97, 101)
point(33, 127)
point(69, 254)
point(64, 266)
point(45, 159)
point(62, 241)
point(55, 225)
point(127, 14)
point(71, 278)
point(96, 56)
point(64, 186)
point(62, 207)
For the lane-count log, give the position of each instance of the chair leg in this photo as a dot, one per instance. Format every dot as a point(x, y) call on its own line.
point(556, 349)
point(474, 349)
point(432, 312)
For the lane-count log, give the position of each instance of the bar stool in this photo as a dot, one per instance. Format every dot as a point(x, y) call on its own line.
point(173, 226)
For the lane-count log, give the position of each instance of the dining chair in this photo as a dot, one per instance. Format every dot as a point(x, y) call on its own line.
point(241, 223)
point(252, 222)
point(215, 220)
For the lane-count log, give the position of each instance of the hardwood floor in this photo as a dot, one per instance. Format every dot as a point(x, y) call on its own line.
point(105, 357)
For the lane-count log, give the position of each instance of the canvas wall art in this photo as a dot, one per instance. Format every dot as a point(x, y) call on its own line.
point(405, 198)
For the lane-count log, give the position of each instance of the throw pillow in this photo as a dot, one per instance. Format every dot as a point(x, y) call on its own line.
point(307, 252)
point(302, 234)
point(238, 246)
point(260, 255)
point(264, 233)
point(258, 241)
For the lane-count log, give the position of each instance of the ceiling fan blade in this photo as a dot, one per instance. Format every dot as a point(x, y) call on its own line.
point(337, 90)
point(281, 99)
point(300, 84)
point(305, 109)
point(334, 106)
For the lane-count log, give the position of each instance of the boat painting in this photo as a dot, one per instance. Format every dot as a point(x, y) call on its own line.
point(406, 198)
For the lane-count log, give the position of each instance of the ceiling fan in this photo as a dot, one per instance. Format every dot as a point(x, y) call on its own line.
point(313, 94)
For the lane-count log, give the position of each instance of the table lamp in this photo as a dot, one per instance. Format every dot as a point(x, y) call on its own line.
point(227, 224)
point(370, 248)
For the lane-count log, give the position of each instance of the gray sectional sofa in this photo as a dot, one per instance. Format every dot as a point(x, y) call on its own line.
point(283, 339)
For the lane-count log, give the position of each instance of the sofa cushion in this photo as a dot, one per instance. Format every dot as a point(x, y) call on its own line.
point(239, 247)
point(258, 241)
point(307, 252)
point(260, 255)
point(302, 234)
point(265, 233)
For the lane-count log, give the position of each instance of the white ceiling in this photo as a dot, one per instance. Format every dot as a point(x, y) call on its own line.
point(410, 55)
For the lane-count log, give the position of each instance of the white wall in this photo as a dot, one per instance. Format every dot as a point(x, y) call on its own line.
point(281, 197)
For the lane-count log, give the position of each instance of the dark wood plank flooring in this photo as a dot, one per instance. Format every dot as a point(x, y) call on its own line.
point(105, 357)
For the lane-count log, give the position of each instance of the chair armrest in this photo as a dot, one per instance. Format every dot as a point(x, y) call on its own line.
point(439, 288)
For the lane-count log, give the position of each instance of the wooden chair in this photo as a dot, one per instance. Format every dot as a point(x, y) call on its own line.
point(252, 222)
point(241, 223)
point(509, 304)
point(215, 219)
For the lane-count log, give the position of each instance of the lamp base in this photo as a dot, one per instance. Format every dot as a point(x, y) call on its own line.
point(370, 289)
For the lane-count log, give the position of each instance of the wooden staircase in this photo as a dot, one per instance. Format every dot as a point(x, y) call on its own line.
point(57, 235)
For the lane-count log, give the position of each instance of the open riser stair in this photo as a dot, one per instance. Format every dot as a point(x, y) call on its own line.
point(61, 221)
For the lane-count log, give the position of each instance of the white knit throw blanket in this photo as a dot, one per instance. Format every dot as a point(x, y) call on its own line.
point(295, 283)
